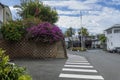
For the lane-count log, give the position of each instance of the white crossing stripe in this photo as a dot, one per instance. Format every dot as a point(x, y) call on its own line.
point(77, 63)
point(77, 59)
point(79, 70)
point(95, 77)
point(78, 66)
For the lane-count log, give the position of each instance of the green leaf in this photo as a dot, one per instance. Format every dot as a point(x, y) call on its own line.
point(25, 77)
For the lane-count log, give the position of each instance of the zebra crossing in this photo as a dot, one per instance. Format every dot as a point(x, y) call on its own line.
point(78, 68)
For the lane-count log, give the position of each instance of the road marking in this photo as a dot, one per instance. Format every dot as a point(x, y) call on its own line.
point(95, 77)
point(77, 63)
point(79, 70)
point(78, 66)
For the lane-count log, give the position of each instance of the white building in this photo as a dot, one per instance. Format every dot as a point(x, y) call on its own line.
point(113, 37)
point(5, 14)
point(96, 42)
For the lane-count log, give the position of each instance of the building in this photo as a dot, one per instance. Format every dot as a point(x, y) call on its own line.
point(5, 14)
point(95, 41)
point(113, 37)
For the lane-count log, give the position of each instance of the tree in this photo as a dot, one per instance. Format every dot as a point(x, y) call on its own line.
point(83, 32)
point(102, 39)
point(68, 33)
point(34, 8)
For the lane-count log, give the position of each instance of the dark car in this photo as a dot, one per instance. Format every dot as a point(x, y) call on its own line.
point(118, 49)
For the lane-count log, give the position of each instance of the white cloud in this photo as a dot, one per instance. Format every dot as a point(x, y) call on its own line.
point(14, 12)
point(73, 4)
point(91, 1)
point(94, 21)
point(96, 24)
point(11, 8)
point(113, 2)
point(67, 21)
point(68, 12)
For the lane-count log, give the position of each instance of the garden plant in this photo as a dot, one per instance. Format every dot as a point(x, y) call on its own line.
point(9, 71)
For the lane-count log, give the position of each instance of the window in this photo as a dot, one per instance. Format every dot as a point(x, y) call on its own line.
point(109, 31)
point(117, 31)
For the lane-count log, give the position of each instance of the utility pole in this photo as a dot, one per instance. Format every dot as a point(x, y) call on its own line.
point(82, 44)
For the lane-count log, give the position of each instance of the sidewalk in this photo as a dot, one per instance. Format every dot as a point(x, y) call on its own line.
point(47, 69)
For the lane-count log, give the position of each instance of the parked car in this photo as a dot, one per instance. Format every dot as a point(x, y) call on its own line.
point(118, 49)
point(115, 50)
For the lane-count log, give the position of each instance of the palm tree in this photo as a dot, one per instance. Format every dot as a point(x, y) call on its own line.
point(83, 32)
point(68, 33)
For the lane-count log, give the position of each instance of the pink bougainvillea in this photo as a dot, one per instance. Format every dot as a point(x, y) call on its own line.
point(45, 32)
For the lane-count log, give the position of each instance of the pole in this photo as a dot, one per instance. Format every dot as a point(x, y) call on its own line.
point(81, 30)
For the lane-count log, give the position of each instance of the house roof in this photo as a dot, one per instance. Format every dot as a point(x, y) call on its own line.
point(1, 5)
point(5, 6)
point(114, 26)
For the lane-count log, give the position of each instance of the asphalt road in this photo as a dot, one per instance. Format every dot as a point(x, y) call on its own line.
point(108, 64)
point(89, 65)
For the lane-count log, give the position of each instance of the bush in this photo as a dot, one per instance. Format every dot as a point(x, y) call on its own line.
point(78, 48)
point(45, 32)
point(16, 30)
point(9, 71)
point(31, 21)
point(13, 31)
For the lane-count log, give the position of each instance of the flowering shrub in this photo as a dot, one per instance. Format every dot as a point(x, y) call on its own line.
point(45, 32)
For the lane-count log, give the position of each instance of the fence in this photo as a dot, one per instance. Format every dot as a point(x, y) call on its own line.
point(29, 49)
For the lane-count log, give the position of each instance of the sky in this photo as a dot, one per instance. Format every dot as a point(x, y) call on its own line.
point(97, 15)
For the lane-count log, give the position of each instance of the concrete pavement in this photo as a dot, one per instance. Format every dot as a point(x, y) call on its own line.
point(46, 69)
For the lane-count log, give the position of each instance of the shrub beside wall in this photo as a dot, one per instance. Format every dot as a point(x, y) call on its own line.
point(9, 71)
